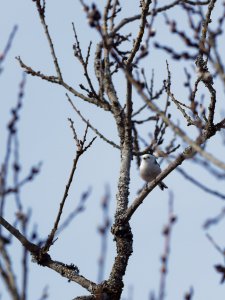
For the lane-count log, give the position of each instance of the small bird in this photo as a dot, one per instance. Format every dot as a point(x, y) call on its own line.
point(150, 169)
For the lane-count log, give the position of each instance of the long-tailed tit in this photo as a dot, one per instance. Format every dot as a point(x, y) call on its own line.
point(150, 169)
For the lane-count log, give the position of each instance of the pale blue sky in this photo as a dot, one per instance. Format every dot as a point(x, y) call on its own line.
point(45, 136)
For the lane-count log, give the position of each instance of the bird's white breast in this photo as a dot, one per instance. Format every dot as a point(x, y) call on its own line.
point(149, 171)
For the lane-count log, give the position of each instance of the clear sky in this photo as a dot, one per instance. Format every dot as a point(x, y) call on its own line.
point(45, 136)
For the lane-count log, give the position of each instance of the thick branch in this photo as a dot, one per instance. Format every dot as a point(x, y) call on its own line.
point(28, 245)
point(70, 272)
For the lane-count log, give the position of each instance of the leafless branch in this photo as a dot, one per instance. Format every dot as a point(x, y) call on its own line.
point(81, 148)
point(215, 245)
point(167, 231)
point(103, 231)
point(157, 11)
point(80, 208)
point(41, 12)
point(70, 272)
point(200, 185)
point(91, 126)
point(214, 220)
point(8, 45)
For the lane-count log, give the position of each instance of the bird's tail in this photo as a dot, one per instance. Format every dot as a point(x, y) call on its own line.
point(163, 186)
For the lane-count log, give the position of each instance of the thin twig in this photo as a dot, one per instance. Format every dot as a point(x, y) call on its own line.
point(41, 12)
point(8, 45)
point(200, 185)
point(214, 220)
point(91, 126)
point(80, 208)
point(167, 231)
point(215, 245)
point(137, 43)
point(103, 231)
point(81, 148)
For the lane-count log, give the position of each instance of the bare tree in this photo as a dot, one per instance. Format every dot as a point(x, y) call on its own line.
point(175, 136)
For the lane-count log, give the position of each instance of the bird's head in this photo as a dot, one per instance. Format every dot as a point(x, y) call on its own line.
point(148, 157)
